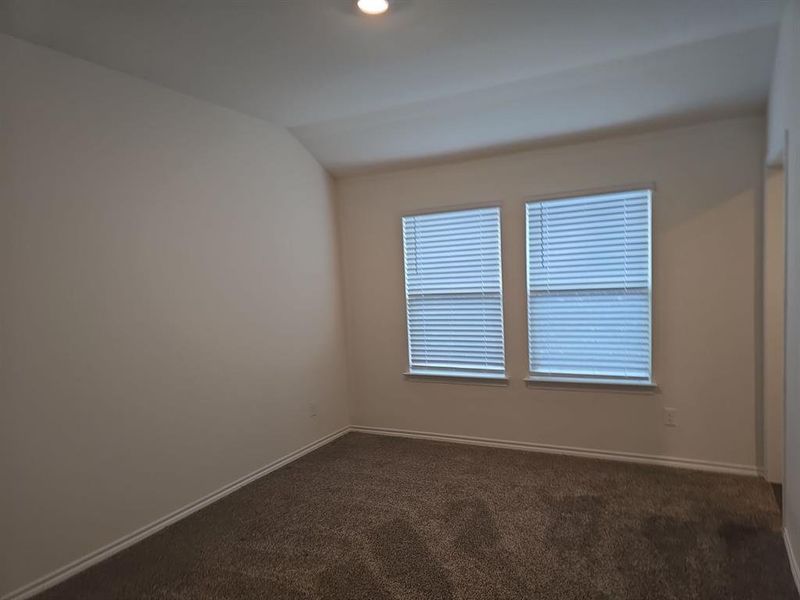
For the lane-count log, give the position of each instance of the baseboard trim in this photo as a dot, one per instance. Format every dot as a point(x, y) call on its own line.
point(75, 567)
point(124, 542)
point(647, 459)
point(793, 564)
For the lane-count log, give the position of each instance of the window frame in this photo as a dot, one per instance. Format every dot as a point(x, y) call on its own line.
point(501, 379)
point(592, 380)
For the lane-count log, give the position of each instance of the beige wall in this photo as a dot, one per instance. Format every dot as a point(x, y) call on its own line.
point(773, 311)
point(708, 187)
point(169, 304)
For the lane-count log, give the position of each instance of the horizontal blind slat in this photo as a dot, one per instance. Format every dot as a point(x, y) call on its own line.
point(454, 292)
point(588, 285)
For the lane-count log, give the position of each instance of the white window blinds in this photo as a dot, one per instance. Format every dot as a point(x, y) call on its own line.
point(454, 293)
point(589, 287)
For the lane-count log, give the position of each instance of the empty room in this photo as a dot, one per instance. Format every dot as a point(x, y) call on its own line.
point(400, 299)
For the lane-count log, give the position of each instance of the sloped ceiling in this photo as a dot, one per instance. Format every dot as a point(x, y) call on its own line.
point(432, 78)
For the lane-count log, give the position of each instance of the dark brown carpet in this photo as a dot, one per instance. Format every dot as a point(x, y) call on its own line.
point(378, 518)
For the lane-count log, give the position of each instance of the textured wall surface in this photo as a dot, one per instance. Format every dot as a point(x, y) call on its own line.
point(170, 304)
point(708, 182)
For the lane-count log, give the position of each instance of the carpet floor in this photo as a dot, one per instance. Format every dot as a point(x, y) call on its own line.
point(379, 518)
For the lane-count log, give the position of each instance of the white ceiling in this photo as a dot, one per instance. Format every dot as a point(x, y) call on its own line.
point(432, 78)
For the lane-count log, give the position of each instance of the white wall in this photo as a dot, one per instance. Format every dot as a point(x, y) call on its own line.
point(709, 184)
point(786, 93)
point(779, 96)
point(169, 304)
point(774, 265)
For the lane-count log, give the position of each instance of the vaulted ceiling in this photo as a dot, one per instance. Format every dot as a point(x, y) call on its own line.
point(431, 78)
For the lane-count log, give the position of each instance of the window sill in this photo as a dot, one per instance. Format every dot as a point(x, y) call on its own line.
point(588, 382)
point(466, 378)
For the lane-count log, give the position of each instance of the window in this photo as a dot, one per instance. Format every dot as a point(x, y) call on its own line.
point(454, 293)
point(589, 288)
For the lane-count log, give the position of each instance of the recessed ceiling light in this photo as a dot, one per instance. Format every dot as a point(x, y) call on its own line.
point(373, 7)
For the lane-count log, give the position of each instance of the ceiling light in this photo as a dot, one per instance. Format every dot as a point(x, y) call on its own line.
point(373, 7)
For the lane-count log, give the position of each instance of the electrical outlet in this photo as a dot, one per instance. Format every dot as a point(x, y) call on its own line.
point(312, 409)
point(671, 417)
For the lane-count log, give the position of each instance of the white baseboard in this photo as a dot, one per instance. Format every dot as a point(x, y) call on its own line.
point(647, 459)
point(105, 552)
point(792, 558)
